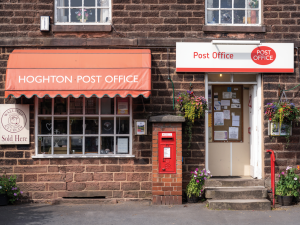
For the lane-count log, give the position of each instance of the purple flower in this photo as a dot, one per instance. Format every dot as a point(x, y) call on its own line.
point(295, 178)
point(196, 169)
point(279, 175)
point(282, 173)
point(21, 192)
point(197, 181)
point(195, 175)
point(196, 172)
point(15, 194)
point(204, 178)
point(13, 189)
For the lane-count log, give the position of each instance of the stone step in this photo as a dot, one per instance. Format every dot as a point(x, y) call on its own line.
point(236, 193)
point(236, 182)
point(240, 204)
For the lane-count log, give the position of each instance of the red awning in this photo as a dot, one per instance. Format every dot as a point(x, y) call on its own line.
point(78, 72)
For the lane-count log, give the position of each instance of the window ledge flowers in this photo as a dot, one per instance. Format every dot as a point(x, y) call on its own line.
point(195, 186)
point(193, 107)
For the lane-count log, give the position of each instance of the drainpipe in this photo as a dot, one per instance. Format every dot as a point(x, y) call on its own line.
point(169, 78)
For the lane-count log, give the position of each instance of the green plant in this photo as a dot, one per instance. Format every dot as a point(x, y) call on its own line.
point(253, 3)
point(9, 187)
point(198, 178)
point(193, 107)
point(288, 184)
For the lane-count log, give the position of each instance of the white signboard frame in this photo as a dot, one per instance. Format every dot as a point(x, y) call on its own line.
point(14, 124)
point(208, 57)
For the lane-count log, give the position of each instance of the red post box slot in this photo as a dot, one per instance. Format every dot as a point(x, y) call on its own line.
point(167, 152)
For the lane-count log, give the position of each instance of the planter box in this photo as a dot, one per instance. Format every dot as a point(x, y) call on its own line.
point(274, 129)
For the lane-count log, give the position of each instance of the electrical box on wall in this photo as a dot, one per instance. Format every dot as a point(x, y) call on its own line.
point(167, 152)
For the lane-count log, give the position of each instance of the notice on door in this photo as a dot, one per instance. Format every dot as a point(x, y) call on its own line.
point(167, 152)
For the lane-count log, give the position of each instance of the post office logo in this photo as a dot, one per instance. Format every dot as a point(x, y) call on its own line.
point(263, 55)
point(13, 120)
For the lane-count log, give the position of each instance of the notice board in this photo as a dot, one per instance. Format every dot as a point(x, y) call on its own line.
point(227, 113)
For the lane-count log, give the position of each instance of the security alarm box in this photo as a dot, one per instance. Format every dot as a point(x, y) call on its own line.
point(167, 152)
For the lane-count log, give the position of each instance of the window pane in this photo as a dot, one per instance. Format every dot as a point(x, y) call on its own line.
point(226, 16)
point(76, 125)
point(89, 15)
point(76, 145)
point(213, 17)
point(239, 3)
point(76, 3)
point(226, 3)
point(91, 105)
point(60, 105)
point(244, 77)
point(219, 78)
point(212, 3)
point(44, 145)
point(253, 4)
point(122, 125)
point(91, 145)
point(107, 145)
point(45, 105)
point(239, 16)
point(91, 125)
point(123, 106)
point(62, 2)
point(89, 3)
point(107, 125)
point(63, 15)
point(45, 125)
point(60, 125)
point(252, 17)
point(107, 105)
point(60, 145)
point(76, 15)
point(102, 15)
point(103, 3)
point(76, 105)
point(122, 145)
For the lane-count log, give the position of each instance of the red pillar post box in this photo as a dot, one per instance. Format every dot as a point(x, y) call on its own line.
point(167, 152)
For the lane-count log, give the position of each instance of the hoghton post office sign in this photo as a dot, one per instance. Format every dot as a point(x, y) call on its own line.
point(14, 124)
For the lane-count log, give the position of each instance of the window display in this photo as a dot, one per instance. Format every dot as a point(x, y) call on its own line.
point(75, 126)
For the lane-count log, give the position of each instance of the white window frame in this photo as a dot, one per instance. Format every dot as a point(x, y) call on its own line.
point(232, 15)
point(99, 135)
point(82, 8)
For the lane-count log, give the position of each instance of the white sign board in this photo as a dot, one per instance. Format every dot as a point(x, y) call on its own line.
point(14, 124)
point(167, 134)
point(208, 57)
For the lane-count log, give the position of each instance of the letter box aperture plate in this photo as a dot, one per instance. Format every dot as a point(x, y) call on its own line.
point(167, 152)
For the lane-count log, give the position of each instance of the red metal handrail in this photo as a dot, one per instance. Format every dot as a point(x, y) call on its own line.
point(272, 158)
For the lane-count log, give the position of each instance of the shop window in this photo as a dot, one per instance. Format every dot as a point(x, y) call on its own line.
point(82, 12)
point(233, 12)
point(83, 126)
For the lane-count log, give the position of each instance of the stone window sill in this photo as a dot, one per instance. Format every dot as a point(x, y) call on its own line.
point(80, 156)
point(235, 29)
point(81, 28)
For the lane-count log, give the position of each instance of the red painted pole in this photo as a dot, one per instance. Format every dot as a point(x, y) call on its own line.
point(272, 158)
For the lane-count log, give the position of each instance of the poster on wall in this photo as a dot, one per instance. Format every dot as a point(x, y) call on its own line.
point(219, 119)
point(14, 126)
point(220, 135)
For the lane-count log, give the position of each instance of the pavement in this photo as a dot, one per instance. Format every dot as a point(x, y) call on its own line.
point(141, 213)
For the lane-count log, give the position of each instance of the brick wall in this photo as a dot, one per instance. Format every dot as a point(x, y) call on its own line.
point(166, 188)
point(286, 154)
point(150, 19)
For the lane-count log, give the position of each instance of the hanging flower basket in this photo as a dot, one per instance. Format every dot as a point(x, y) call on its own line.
point(280, 116)
point(193, 107)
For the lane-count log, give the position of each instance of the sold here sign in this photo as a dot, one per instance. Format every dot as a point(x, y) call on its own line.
point(208, 57)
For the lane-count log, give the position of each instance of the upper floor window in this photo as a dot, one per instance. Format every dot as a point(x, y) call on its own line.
point(79, 12)
point(233, 12)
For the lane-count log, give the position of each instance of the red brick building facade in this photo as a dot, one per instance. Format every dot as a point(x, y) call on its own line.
point(144, 24)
